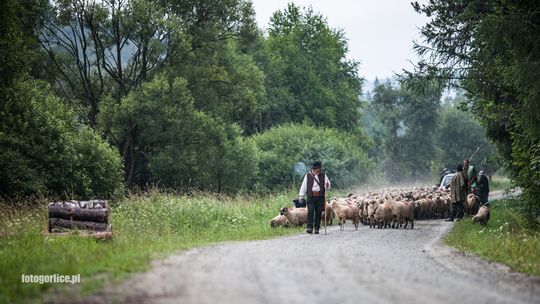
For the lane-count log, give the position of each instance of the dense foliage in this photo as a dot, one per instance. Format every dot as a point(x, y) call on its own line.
point(192, 94)
point(492, 50)
point(287, 152)
point(178, 145)
point(409, 119)
point(44, 150)
point(459, 135)
point(308, 77)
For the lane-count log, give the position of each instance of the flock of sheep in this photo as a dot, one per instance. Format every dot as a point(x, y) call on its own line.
point(392, 207)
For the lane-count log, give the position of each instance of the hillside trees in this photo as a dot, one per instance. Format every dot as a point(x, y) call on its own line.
point(109, 56)
point(193, 95)
point(104, 50)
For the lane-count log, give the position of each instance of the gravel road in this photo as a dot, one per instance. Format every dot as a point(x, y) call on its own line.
point(364, 266)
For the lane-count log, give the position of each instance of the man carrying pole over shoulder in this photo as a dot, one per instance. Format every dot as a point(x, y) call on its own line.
point(470, 172)
point(315, 185)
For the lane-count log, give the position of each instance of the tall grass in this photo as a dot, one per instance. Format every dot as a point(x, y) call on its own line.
point(508, 238)
point(144, 226)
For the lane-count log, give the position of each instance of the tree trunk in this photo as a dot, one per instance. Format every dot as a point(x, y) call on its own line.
point(100, 215)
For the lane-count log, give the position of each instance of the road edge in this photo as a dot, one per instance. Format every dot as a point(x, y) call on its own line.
point(467, 264)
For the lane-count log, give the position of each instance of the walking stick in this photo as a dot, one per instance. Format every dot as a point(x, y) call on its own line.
point(325, 215)
point(470, 158)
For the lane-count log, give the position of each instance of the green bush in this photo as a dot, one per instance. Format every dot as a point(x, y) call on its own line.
point(287, 151)
point(44, 151)
point(180, 146)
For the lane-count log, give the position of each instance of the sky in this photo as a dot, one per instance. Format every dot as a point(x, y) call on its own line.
point(380, 33)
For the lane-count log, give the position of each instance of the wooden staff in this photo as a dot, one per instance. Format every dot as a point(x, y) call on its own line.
point(474, 153)
point(325, 214)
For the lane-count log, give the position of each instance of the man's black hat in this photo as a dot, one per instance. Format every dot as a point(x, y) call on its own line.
point(316, 165)
point(459, 168)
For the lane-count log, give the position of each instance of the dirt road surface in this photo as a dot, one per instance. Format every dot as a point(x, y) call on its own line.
point(364, 266)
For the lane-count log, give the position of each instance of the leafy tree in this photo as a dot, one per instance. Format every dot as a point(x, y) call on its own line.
point(212, 51)
point(18, 43)
point(102, 50)
point(410, 119)
point(308, 77)
point(177, 145)
point(225, 83)
point(45, 152)
point(103, 47)
point(491, 49)
point(458, 135)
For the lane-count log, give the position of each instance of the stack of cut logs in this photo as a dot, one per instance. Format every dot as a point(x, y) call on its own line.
point(80, 215)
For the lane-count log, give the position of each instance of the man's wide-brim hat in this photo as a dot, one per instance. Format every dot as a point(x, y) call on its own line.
point(316, 165)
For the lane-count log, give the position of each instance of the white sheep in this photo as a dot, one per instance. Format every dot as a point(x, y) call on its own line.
point(295, 216)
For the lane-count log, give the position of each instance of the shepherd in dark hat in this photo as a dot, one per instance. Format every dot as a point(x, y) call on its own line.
point(314, 185)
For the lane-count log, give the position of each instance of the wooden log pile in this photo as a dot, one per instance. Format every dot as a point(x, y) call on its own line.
point(86, 216)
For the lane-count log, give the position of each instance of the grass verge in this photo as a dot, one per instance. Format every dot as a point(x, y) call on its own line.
point(499, 182)
point(145, 227)
point(507, 238)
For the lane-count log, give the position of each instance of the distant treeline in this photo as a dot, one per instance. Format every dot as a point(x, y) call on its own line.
point(100, 96)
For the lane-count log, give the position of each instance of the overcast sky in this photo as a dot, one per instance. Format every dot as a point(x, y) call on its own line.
point(380, 32)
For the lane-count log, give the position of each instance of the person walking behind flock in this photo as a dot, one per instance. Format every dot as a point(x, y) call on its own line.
point(458, 194)
point(483, 188)
point(315, 185)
